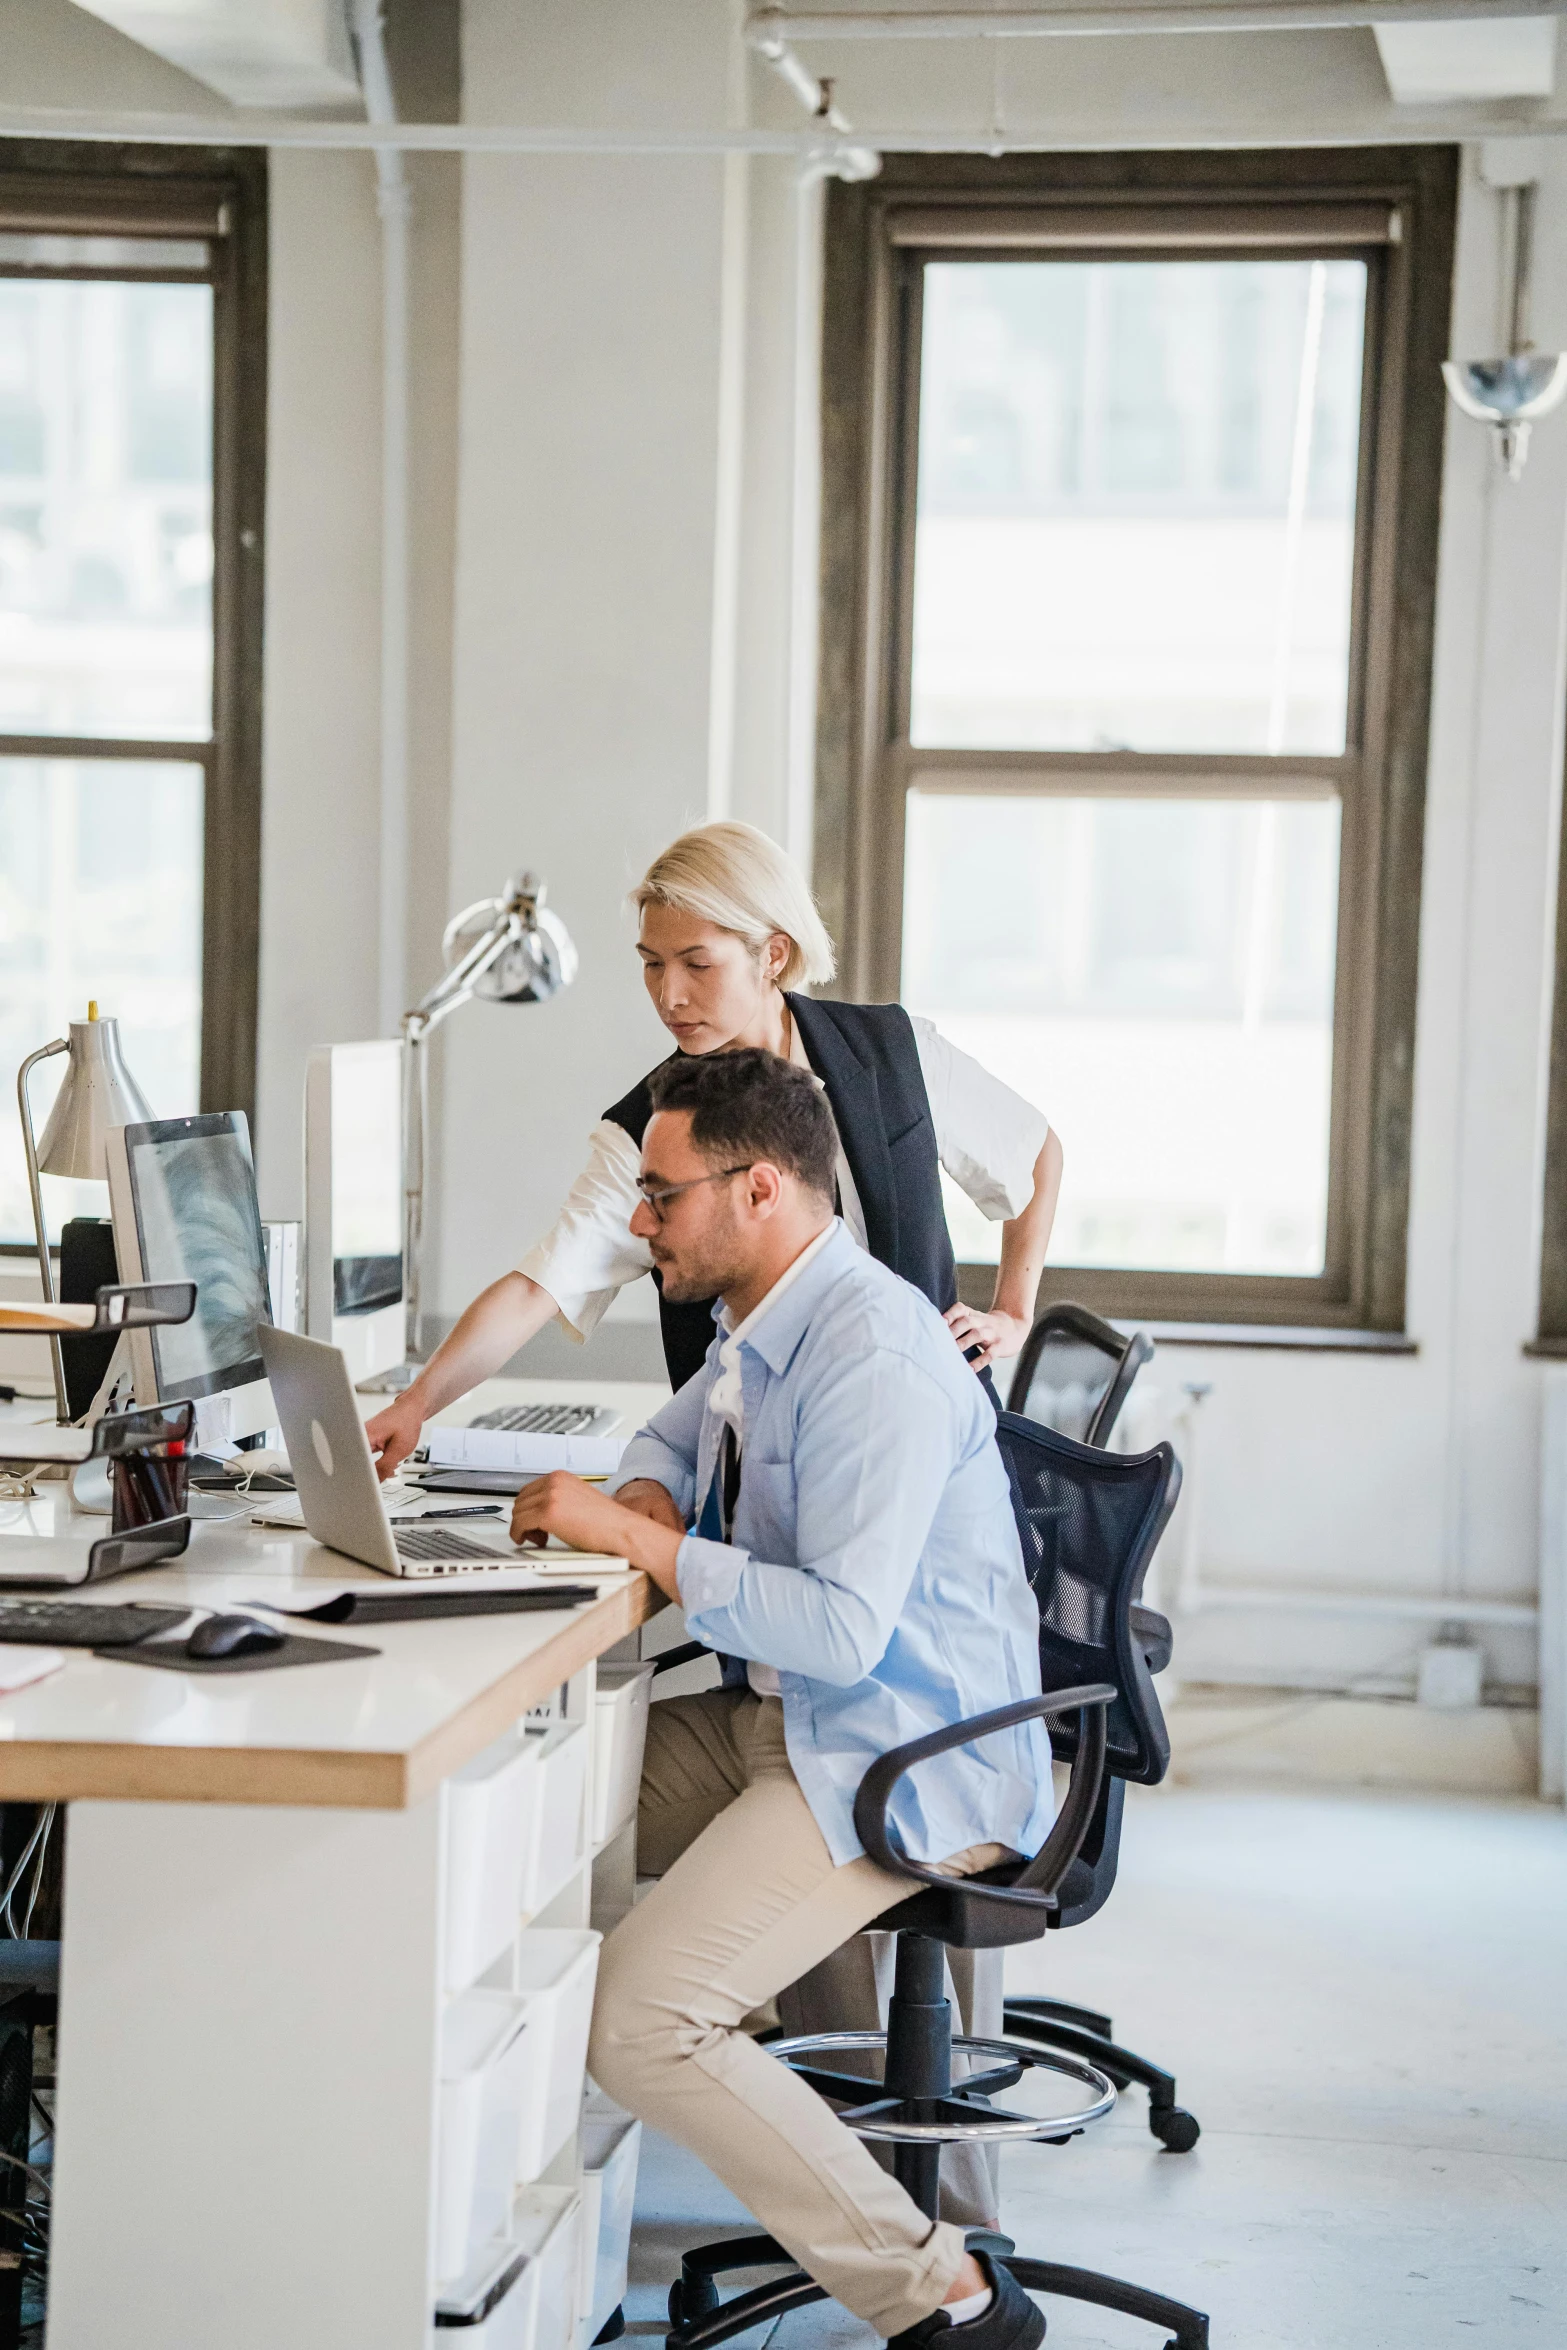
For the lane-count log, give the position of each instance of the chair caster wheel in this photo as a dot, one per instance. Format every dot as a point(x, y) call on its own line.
point(691, 2298)
point(613, 2327)
point(1176, 2130)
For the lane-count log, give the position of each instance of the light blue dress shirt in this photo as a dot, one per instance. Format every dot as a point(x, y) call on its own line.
point(875, 1560)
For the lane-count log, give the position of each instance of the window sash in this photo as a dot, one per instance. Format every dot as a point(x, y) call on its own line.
point(67, 189)
point(879, 239)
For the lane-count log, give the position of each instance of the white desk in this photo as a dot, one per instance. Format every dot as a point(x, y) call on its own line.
point(250, 1990)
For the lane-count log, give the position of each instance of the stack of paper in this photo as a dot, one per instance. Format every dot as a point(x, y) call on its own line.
point(535, 1456)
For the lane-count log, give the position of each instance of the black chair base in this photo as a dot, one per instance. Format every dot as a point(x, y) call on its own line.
point(1079, 2031)
point(919, 2043)
point(699, 2320)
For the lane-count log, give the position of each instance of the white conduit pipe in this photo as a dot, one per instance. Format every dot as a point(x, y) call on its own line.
point(392, 203)
point(1111, 17)
point(102, 127)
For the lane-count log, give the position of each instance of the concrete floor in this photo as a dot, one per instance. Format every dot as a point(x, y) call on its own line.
point(1364, 1999)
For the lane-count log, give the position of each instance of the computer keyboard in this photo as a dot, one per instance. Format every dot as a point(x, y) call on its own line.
point(551, 1419)
point(76, 1623)
point(438, 1544)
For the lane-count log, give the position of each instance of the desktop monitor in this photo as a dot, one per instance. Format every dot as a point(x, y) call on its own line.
point(354, 1203)
point(182, 1192)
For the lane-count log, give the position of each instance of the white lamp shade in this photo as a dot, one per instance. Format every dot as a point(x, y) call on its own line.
point(99, 1092)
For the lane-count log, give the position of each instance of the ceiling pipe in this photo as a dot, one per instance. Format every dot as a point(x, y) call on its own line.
point(840, 162)
point(369, 31)
point(1113, 16)
point(1401, 128)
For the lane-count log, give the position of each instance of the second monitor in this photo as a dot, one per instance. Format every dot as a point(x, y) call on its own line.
point(182, 1192)
point(354, 1203)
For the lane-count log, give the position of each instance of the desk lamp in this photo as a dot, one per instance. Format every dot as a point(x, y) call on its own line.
point(98, 1092)
point(506, 950)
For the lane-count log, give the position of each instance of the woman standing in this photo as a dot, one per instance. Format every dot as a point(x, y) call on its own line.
point(728, 936)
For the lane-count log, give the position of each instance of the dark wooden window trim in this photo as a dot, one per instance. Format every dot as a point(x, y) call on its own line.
point(1276, 202)
point(66, 187)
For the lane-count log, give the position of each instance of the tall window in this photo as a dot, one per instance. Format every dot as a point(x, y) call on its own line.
point(1118, 782)
point(131, 391)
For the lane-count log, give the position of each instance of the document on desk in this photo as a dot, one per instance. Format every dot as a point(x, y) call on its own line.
point(535, 1456)
point(22, 1440)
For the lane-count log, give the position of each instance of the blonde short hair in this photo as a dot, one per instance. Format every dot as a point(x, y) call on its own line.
point(735, 876)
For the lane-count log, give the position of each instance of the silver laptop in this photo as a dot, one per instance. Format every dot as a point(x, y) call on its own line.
point(334, 1470)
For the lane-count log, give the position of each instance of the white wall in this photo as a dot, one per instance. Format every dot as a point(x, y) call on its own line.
point(585, 564)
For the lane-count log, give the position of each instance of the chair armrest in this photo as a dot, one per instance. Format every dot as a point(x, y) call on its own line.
point(686, 1654)
point(1035, 1885)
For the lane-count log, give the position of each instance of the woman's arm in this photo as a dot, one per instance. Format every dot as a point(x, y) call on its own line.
point(1024, 1240)
point(500, 1320)
point(576, 1269)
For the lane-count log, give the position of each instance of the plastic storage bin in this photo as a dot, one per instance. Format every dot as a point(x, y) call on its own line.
point(619, 1736)
point(522, 2291)
point(553, 1973)
point(611, 2143)
point(484, 2088)
point(492, 1829)
point(561, 1760)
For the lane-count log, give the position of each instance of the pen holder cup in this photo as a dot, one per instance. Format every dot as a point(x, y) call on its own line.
point(148, 1453)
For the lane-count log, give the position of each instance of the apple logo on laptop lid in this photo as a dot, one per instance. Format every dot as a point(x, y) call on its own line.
point(323, 1449)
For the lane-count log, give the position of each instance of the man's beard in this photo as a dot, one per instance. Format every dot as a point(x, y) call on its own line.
point(705, 1269)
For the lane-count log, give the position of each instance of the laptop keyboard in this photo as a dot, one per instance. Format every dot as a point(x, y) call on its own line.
point(413, 1543)
point(77, 1623)
point(551, 1419)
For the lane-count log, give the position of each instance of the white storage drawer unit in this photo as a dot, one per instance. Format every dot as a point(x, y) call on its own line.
point(484, 2087)
point(553, 1972)
point(522, 2292)
point(492, 1833)
point(619, 1737)
point(561, 1760)
point(611, 2143)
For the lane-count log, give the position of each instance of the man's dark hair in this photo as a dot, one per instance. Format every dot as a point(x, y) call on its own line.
point(750, 1105)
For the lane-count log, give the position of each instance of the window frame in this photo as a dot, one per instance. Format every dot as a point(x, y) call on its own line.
point(70, 188)
point(1332, 204)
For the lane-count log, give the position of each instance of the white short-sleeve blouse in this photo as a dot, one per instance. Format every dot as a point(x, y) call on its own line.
point(987, 1138)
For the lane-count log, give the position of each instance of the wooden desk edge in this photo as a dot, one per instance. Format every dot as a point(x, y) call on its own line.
point(66, 1771)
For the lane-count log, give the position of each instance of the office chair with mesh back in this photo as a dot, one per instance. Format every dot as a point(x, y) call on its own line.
point(1074, 1374)
point(1089, 1522)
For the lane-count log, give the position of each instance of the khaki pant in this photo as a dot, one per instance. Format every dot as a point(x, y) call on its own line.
point(748, 1902)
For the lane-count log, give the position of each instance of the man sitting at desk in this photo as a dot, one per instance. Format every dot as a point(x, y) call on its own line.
point(856, 1561)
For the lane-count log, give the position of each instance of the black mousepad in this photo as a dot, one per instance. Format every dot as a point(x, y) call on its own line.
point(170, 1654)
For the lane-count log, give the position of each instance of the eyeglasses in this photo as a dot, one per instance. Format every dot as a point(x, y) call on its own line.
point(655, 1199)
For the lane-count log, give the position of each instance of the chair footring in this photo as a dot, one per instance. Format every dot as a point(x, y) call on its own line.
point(1188, 2327)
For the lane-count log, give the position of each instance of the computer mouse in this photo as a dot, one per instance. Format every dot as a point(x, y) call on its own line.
point(225, 1636)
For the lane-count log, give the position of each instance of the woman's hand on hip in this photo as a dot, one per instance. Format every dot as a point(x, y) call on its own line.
point(994, 1334)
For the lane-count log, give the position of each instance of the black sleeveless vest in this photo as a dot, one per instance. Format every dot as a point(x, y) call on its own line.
point(867, 1058)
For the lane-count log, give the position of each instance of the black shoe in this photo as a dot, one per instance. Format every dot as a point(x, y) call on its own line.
point(1012, 2321)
